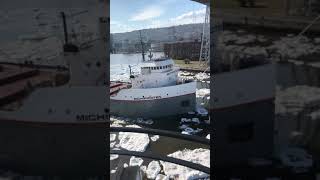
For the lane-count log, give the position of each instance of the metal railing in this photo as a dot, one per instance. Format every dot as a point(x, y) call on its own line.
point(166, 133)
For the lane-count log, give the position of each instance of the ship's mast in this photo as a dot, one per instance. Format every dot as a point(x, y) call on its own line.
point(142, 47)
point(67, 47)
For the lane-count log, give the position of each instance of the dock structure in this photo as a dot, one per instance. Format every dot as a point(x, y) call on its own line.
point(183, 50)
point(15, 81)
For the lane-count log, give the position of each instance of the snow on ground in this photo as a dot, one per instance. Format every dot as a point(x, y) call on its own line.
point(199, 156)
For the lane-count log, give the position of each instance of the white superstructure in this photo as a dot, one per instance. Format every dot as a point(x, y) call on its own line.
point(158, 79)
point(156, 91)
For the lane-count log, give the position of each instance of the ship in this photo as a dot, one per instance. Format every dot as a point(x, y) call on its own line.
point(156, 92)
point(54, 120)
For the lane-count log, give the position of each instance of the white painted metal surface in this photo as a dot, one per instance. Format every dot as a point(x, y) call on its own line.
point(155, 93)
point(243, 86)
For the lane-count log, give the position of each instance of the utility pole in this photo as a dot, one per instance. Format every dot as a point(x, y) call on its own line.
point(142, 47)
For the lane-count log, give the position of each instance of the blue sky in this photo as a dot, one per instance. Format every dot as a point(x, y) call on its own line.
point(129, 15)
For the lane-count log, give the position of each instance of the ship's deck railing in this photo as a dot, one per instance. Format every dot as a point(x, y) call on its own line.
point(166, 133)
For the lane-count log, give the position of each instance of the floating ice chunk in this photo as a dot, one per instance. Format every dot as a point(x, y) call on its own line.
point(162, 177)
point(112, 144)
point(183, 126)
point(117, 145)
point(208, 136)
point(184, 132)
point(185, 120)
point(189, 130)
point(245, 39)
point(191, 112)
point(153, 169)
point(135, 161)
point(295, 99)
point(140, 120)
point(261, 38)
point(317, 40)
point(198, 130)
point(202, 111)
point(143, 169)
point(149, 121)
point(112, 137)
point(257, 50)
point(202, 92)
point(195, 175)
point(199, 156)
point(113, 157)
point(154, 138)
point(196, 120)
point(133, 141)
point(113, 171)
point(202, 76)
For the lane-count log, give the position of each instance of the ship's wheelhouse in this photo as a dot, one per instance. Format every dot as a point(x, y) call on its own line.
point(156, 73)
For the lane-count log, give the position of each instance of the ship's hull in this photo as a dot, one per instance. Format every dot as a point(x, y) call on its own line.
point(242, 107)
point(57, 131)
point(53, 149)
point(153, 108)
point(154, 102)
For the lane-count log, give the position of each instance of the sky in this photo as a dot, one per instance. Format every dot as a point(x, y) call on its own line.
point(129, 15)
